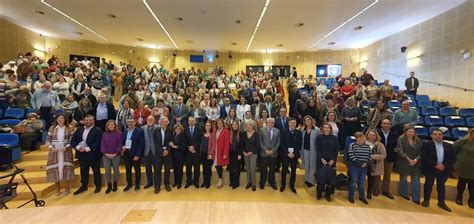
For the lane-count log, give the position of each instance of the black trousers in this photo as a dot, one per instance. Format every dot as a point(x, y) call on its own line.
point(462, 182)
point(220, 171)
point(440, 186)
point(179, 158)
point(46, 115)
point(267, 169)
point(129, 163)
point(166, 162)
point(206, 169)
point(234, 168)
point(93, 163)
point(288, 162)
point(192, 161)
point(153, 169)
point(101, 124)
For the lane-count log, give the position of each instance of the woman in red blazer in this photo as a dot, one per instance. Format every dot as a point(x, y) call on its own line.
point(219, 144)
point(141, 114)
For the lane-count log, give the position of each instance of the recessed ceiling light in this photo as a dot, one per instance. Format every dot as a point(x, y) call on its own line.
point(154, 46)
point(159, 22)
point(233, 43)
point(358, 27)
point(331, 43)
point(238, 21)
point(139, 39)
point(300, 24)
point(78, 33)
point(39, 12)
point(72, 19)
point(180, 18)
point(280, 45)
point(267, 2)
point(111, 15)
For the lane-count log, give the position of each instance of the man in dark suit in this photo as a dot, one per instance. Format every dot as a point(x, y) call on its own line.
point(88, 95)
point(224, 110)
point(180, 112)
point(269, 144)
point(289, 153)
point(103, 111)
point(151, 155)
point(437, 159)
point(257, 107)
point(132, 149)
point(86, 141)
point(162, 137)
point(193, 138)
point(389, 139)
point(281, 123)
point(412, 84)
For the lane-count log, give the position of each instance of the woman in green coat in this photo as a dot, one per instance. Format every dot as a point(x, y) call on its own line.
point(464, 166)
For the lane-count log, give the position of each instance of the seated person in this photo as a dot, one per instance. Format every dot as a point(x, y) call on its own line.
point(29, 131)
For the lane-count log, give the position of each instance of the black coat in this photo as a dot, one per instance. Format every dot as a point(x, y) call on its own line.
point(390, 146)
point(110, 111)
point(195, 140)
point(92, 141)
point(429, 158)
point(138, 142)
point(158, 140)
point(289, 140)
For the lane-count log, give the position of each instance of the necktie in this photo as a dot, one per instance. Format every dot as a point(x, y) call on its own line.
point(283, 122)
point(179, 109)
point(271, 133)
point(192, 131)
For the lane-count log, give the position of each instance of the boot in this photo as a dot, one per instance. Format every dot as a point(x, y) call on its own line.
point(114, 188)
point(219, 183)
point(109, 188)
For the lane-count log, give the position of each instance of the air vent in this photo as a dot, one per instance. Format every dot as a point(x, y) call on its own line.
point(331, 43)
point(358, 27)
point(78, 33)
point(300, 24)
point(111, 15)
point(39, 12)
point(139, 39)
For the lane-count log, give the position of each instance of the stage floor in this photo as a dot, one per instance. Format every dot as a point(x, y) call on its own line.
point(230, 206)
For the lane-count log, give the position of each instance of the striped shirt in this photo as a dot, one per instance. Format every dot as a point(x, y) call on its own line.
point(359, 154)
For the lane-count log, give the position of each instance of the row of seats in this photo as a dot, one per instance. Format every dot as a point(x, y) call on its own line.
point(12, 152)
point(18, 113)
point(450, 121)
point(449, 133)
point(443, 111)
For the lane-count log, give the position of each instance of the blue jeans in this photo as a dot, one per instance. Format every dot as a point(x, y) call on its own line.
point(357, 176)
point(415, 187)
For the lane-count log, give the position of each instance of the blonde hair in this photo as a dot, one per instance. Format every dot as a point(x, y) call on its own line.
point(377, 136)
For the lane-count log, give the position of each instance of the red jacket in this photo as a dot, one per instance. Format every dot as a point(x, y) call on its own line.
point(145, 113)
point(223, 145)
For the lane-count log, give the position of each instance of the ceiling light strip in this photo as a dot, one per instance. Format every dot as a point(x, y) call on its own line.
point(72, 19)
point(159, 22)
point(344, 23)
point(267, 2)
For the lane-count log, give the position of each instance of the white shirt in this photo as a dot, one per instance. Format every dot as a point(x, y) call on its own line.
point(439, 152)
point(241, 110)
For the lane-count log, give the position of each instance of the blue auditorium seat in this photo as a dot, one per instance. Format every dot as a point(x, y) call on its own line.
point(466, 112)
point(417, 109)
point(393, 109)
point(470, 122)
point(459, 132)
point(393, 103)
point(424, 98)
point(10, 122)
point(454, 121)
point(30, 111)
point(412, 103)
point(421, 131)
point(433, 120)
point(1, 113)
point(445, 130)
point(11, 141)
point(301, 91)
point(447, 111)
point(425, 104)
point(16, 113)
point(438, 104)
point(421, 120)
point(349, 140)
point(429, 111)
point(396, 88)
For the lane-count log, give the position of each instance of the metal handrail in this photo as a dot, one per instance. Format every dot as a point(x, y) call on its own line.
point(435, 83)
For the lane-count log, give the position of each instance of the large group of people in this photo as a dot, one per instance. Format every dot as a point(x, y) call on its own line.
point(171, 119)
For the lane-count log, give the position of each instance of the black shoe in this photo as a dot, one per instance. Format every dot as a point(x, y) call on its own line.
point(187, 185)
point(282, 188)
point(471, 204)
point(406, 197)
point(319, 196)
point(363, 200)
point(235, 187)
point(254, 188)
point(174, 185)
point(80, 190)
point(179, 186)
point(308, 184)
point(168, 188)
point(293, 190)
point(369, 196)
point(109, 188)
point(351, 200)
point(137, 187)
point(274, 187)
point(203, 185)
point(127, 188)
point(388, 195)
point(459, 201)
point(425, 204)
point(248, 186)
point(207, 186)
point(262, 187)
point(196, 186)
point(157, 190)
point(147, 186)
point(328, 198)
point(444, 206)
point(97, 190)
point(114, 187)
point(417, 202)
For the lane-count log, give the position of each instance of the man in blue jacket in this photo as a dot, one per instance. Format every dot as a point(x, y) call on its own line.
point(132, 150)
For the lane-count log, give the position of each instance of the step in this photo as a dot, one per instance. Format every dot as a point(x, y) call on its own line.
point(42, 190)
point(35, 156)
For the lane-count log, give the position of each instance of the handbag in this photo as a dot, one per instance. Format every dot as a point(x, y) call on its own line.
point(19, 129)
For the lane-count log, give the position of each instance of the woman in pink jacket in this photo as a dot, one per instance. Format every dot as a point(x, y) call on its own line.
point(219, 144)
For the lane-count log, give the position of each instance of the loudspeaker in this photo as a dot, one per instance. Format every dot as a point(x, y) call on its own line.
point(403, 49)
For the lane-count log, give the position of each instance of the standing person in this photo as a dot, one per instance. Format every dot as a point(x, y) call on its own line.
point(327, 147)
point(151, 155)
point(359, 158)
point(437, 159)
point(213, 111)
point(408, 164)
point(377, 114)
point(269, 143)
point(281, 123)
point(235, 155)
point(308, 150)
point(289, 153)
point(180, 112)
point(219, 143)
point(193, 139)
point(464, 165)
point(389, 140)
point(132, 151)
point(45, 101)
point(103, 112)
point(250, 147)
point(179, 147)
point(351, 116)
point(206, 160)
point(111, 146)
point(376, 169)
point(123, 115)
point(86, 140)
point(60, 165)
point(412, 84)
point(141, 114)
point(404, 116)
point(162, 137)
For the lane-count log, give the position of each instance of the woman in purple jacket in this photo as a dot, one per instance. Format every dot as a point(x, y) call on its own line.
point(110, 146)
